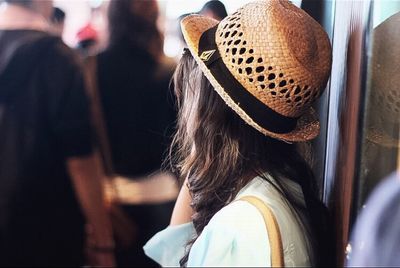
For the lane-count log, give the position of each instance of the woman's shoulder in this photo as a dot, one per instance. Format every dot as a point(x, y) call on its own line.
point(240, 215)
point(237, 214)
point(239, 227)
point(235, 236)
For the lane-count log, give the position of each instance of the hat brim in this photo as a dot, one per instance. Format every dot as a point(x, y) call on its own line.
point(193, 26)
point(379, 137)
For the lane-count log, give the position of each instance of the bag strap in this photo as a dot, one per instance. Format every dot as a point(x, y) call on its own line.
point(274, 234)
point(98, 122)
point(99, 125)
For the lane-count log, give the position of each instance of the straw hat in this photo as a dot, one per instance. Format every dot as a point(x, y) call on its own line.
point(383, 123)
point(268, 61)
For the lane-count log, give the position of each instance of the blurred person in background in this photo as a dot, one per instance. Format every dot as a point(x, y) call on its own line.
point(49, 181)
point(214, 9)
point(58, 21)
point(133, 82)
point(376, 236)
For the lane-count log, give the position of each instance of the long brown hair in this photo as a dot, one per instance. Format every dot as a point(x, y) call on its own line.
point(219, 154)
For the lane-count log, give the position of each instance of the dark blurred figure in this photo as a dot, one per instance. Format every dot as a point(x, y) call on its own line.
point(58, 21)
point(214, 9)
point(49, 180)
point(87, 38)
point(133, 80)
point(376, 237)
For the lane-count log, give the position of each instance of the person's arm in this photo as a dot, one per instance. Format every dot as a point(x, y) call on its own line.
point(182, 211)
point(86, 176)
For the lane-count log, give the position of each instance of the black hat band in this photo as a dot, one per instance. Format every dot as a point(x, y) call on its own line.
point(259, 112)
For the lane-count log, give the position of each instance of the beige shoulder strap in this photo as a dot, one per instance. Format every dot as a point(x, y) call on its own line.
point(274, 233)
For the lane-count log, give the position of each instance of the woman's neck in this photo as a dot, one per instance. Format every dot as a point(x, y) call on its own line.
point(249, 175)
point(15, 17)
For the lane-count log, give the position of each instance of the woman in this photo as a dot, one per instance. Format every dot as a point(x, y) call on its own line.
point(245, 92)
point(133, 80)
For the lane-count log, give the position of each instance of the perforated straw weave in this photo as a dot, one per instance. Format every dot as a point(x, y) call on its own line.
point(384, 109)
point(277, 52)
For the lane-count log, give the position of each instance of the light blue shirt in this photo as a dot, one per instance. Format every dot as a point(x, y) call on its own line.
point(236, 235)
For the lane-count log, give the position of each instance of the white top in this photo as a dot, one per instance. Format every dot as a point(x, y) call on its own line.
point(236, 235)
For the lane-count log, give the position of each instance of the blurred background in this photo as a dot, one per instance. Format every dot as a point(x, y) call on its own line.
point(80, 12)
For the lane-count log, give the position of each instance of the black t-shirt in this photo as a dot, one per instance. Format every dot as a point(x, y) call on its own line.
point(138, 108)
point(43, 121)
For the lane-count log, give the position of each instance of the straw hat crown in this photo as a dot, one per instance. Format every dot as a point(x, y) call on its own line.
point(385, 80)
point(278, 54)
point(383, 107)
